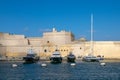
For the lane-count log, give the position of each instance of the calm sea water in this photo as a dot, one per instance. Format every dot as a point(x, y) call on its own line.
point(63, 71)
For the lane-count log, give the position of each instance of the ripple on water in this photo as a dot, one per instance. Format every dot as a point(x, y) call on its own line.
point(63, 71)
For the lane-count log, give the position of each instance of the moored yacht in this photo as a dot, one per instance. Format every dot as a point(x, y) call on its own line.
point(90, 57)
point(71, 57)
point(31, 57)
point(56, 57)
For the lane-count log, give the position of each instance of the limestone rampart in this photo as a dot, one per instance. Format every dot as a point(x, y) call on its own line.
point(12, 46)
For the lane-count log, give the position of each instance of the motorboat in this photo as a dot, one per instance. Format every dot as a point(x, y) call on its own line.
point(56, 57)
point(71, 57)
point(31, 57)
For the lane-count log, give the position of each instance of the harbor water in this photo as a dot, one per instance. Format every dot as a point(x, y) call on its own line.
point(62, 71)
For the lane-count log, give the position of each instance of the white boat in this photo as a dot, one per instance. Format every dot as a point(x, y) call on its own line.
point(56, 57)
point(90, 57)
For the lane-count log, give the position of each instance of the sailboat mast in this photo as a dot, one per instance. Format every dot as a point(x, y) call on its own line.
point(91, 34)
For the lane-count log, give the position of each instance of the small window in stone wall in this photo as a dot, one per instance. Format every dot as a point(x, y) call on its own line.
point(28, 42)
point(80, 48)
point(56, 50)
point(47, 41)
point(45, 50)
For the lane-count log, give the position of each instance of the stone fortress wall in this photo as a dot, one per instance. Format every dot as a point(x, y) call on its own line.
point(16, 46)
point(108, 49)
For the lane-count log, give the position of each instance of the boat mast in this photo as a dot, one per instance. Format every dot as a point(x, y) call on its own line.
point(91, 35)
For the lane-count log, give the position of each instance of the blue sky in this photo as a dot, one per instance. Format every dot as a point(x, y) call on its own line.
point(33, 17)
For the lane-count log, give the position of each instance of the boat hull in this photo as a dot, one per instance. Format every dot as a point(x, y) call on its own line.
point(70, 59)
point(56, 59)
point(91, 59)
point(30, 59)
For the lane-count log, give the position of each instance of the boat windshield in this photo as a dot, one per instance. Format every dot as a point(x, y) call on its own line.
point(56, 54)
point(31, 55)
point(90, 57)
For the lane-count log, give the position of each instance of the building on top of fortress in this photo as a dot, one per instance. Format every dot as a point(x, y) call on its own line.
point(16, 46)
